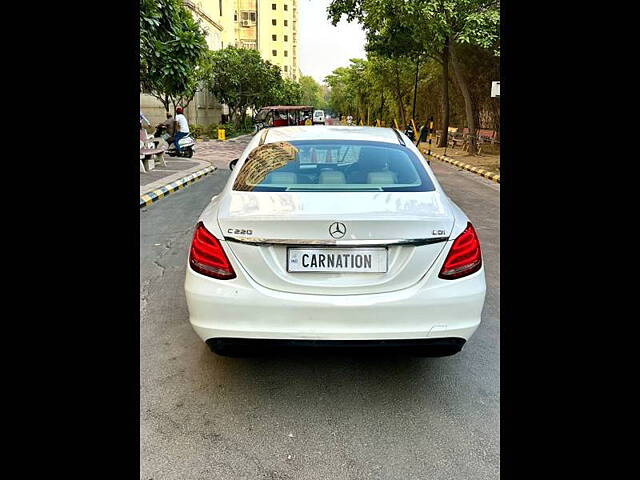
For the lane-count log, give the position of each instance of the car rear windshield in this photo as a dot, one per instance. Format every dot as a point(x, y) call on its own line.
point(332, 166)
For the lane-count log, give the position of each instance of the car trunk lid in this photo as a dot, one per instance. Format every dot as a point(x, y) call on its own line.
point(261, 227)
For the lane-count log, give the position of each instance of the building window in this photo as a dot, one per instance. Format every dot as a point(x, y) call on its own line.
point(286, 7)
point(286, 54)
point(274, 53)
point(286, 68)
point(273, 6)
point(235, 16)
point(286, 23)
point(247, 18)
point(220, 4)
point(274, 37)
point(286, 38)
point(273, 22)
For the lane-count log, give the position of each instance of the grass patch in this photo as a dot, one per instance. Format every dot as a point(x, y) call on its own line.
point(488, 160)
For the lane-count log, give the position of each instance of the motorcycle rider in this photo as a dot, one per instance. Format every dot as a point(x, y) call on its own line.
point(170, 125)
point(183, 128)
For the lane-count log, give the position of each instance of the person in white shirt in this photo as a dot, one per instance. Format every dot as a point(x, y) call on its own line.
point(183, 128)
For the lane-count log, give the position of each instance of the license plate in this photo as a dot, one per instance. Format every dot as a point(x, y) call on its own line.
point(347, 260)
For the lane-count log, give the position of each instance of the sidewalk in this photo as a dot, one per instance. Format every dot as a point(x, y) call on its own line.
point(488, 160)
point(219, 154)
point(215, 153)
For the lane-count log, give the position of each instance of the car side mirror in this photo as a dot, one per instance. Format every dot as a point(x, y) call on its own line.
point(232, 163)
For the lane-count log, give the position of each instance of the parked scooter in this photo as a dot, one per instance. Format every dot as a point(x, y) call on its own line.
point(187, 144)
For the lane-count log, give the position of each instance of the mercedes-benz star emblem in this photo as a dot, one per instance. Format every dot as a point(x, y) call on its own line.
point(337, 230)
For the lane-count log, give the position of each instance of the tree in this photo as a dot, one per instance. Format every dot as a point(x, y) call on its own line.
point(288, 92)
point(473, 22)
point(311, 92)
point(396, 29)
point(239, 78)
point(361, 88)
point(172, 50)
point(433, 28)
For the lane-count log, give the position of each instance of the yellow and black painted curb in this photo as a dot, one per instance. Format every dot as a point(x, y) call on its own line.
point(478, 171)
point(155, 195)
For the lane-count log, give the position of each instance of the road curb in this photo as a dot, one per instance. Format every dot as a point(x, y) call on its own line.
point(155, 195)
point(232, 139)
point(478, 171)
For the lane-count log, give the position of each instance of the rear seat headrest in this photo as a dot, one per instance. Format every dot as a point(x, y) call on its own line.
point(282, 178)
point(381, 178)
point(332, 177)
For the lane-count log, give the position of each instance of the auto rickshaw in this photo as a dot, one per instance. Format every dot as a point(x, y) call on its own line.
point(283, 115)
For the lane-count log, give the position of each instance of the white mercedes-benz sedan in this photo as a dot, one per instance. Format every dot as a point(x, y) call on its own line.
point(334, 236)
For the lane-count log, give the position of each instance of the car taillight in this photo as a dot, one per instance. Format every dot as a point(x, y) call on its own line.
point(464, 257)
point(207, 256)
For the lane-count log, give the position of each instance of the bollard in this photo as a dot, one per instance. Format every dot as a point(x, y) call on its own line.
point(377, 122)
point(221, 134)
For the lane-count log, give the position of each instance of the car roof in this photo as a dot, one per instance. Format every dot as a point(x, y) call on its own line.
point(331, 132)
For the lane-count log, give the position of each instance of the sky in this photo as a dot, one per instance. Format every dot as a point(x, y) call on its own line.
point(323, 47)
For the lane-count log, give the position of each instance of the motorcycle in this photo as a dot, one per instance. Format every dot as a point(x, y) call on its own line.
point(186, 143)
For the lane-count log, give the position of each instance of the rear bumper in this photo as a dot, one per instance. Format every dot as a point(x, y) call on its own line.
point(435, 347)
point(243, 309)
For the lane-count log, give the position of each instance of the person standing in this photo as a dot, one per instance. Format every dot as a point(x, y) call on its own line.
point(183, 128)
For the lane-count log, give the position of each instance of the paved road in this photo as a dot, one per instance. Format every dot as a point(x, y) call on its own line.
point(310, 417)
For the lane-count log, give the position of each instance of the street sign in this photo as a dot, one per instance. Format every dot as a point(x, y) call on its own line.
point(495, 89)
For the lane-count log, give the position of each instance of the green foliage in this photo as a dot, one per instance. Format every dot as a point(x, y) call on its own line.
point(287, 92)
point(371, 88)
point(172, 51)
point(401, 27)
point(239, 78)
point(197, 130)
point(456, 31)
point(312, 93)
point(231, 129)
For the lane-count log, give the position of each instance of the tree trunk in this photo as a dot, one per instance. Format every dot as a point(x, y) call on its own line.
point(399, 96)
point(415, 89)
point(468, 103)
point(444, 138)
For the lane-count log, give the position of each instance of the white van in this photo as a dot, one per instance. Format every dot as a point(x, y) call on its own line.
point(318, 117)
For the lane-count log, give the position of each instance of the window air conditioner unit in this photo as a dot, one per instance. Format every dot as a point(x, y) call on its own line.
point(245, 23)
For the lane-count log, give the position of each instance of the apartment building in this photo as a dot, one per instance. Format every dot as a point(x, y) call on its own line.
point(269, 26)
